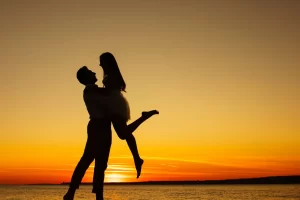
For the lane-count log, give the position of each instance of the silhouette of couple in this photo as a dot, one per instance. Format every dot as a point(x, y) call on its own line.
point(105, 105)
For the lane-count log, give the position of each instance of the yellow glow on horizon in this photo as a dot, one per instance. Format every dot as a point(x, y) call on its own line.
point(114, 177)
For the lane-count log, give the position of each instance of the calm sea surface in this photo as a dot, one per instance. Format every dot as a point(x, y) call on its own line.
point(114, 192)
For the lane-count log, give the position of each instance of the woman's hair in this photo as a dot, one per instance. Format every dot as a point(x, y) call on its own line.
point(112, 69)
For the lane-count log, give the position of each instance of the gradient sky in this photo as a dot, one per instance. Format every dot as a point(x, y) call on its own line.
point(224, 76)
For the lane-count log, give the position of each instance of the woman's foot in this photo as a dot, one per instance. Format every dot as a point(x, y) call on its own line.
point(148, 114)
point(138, 166)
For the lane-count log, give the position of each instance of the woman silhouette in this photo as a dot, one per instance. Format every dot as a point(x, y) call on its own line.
point(118, 107)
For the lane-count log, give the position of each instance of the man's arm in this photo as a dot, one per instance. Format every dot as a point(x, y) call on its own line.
point(102, 90)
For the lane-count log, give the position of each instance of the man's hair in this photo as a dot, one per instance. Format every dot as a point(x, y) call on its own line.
point(81, 75)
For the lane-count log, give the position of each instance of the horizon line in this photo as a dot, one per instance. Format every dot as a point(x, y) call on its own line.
point(174, 181)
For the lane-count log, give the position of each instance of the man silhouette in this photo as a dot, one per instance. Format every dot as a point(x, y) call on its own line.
point(99, 136)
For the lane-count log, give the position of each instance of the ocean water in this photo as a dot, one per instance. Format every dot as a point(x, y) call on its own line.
point(131, 192)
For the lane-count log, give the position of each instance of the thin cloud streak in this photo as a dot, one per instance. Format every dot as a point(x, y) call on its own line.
point(185, 160)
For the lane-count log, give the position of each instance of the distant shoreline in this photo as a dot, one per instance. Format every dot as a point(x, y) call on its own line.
point(295, 179)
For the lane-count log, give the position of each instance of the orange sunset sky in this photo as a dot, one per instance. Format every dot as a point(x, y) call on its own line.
point(224, 75)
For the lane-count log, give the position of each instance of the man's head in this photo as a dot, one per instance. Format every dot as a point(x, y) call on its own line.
point(86, 76)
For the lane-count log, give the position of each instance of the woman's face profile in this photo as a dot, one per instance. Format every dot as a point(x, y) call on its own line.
point(102, 63)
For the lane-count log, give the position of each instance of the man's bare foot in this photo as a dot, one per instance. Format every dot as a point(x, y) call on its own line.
point(69, 196)
point(138, 167)
point(148, 114)
point(99, 196)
